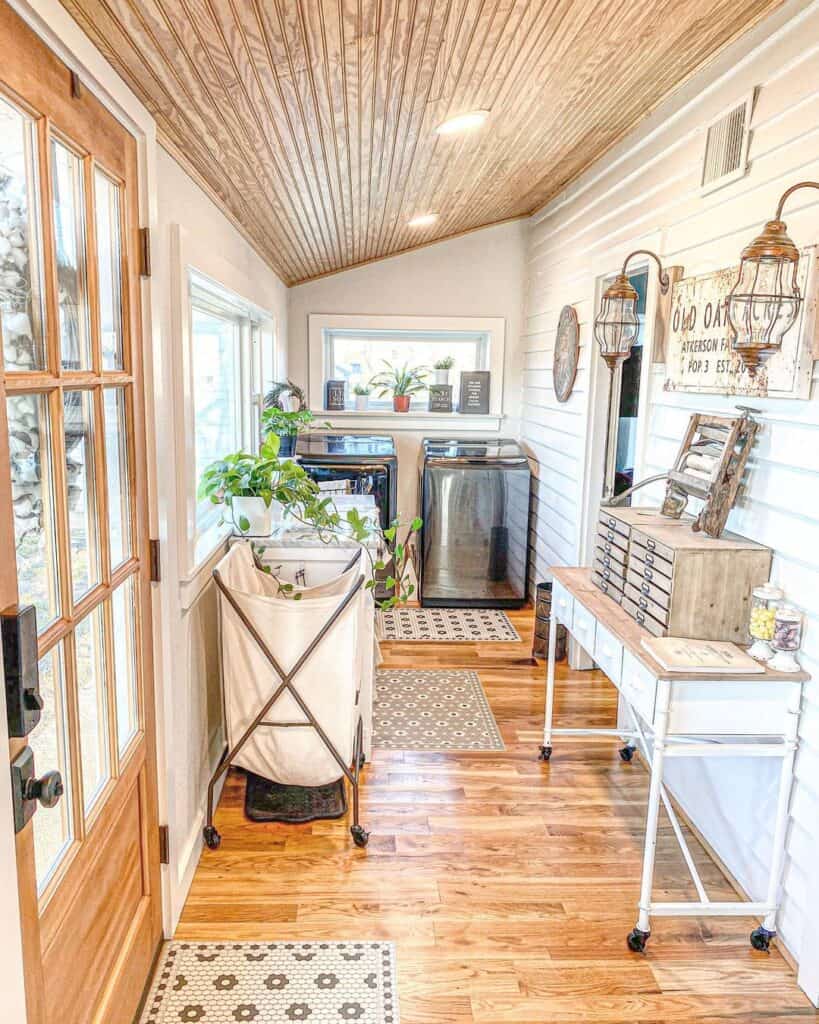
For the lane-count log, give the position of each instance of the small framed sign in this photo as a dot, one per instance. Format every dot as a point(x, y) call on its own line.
point(440, 398)
point(335, 395)
point(474, 400)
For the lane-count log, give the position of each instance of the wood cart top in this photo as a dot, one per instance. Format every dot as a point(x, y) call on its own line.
point(578, 582)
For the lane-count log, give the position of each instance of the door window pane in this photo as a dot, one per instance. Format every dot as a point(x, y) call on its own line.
point(32, 491)
point(107, 212)
point(116, 467)
point(93, 707)
point(53, 827)
point(21, 296)
point(216, 375)
point(123, 606)
point(82, 500)
point(69, 242)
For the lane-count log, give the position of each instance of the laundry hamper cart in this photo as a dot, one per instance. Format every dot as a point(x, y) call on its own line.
point(292, 672)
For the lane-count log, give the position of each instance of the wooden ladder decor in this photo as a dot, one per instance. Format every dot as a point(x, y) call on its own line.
point(709, 466)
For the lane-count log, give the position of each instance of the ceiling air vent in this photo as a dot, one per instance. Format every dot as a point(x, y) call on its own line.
point(726, 147)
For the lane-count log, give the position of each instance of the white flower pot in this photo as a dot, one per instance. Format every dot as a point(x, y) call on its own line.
point(260, 517)
point(442, 376)
point(361, 402)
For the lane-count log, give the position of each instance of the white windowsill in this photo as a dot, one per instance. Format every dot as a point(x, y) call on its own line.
point(386, 419)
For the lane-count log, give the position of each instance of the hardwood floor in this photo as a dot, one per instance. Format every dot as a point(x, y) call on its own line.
point(508, 885)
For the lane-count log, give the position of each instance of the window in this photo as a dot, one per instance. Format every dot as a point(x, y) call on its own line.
point(356, 348)
point(231, 347)
point(356, 356)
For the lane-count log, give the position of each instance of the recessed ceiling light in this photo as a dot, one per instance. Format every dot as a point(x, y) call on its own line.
point(423, 220)
point(463, 122)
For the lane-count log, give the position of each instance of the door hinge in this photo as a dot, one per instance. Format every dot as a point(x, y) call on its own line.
point(164, 845)
point(155, 564)
point(76, 86)
point(144, 252)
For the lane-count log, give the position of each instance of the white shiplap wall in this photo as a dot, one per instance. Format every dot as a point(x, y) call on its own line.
point(646, 192)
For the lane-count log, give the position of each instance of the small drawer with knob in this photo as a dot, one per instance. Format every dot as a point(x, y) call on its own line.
point(608, 653)
point(562, 603)
point(583, 623)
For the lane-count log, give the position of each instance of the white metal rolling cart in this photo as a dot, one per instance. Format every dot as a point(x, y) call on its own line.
point(680, 715)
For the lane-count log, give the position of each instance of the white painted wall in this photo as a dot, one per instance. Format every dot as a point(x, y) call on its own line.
point(479, 274)
point(646, 193)
point(191, 712)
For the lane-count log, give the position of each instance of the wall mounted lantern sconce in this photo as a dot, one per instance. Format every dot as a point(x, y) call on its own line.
point(616, 325)
point(764, 303)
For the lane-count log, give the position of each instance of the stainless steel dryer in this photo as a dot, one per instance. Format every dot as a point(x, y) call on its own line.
point(475, 507)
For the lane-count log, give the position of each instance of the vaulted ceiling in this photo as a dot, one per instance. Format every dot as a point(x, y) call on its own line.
point(312, 122)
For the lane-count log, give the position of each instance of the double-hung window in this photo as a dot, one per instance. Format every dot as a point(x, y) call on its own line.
point(231, 354)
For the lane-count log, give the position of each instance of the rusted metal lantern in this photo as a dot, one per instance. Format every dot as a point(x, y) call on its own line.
point(764, 303)
point(616, 327)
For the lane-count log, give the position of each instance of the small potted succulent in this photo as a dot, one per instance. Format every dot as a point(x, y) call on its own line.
point(403, 382)
point(442, 368)
point(362, 397)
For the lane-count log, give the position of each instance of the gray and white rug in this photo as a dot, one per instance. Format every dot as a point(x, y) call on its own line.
point(447, 625)
point(274, 983)
point(434, 709)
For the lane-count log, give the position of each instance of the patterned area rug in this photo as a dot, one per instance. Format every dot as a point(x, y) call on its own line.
point(463, 625)
point(274, 983)
point(437, 709)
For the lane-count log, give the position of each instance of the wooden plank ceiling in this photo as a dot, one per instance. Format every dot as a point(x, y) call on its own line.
point(312, 122)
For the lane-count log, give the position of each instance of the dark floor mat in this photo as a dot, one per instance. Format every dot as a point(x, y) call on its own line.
point(294, 805)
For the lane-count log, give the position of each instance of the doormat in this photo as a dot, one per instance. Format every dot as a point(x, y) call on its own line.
point(274, 983)
point(293, 805)
point(435, 710)
point(446, 625)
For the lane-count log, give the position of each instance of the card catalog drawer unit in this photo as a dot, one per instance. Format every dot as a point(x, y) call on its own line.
point(608, 653)
point(562, 603)
point(583, 623)
point(638, 686)
point(682, 583)
point(610, 554)
point(613, 543)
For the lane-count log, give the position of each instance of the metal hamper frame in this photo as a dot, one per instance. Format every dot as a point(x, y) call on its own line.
point(360, 837)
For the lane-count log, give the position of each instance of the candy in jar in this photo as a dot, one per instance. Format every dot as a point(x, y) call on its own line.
point(787, 638)
point(762, 624)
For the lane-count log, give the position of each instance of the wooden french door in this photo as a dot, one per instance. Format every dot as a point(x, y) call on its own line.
point(73, 528)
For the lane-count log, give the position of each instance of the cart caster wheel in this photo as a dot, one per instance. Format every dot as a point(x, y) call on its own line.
point(761, 939)
point(627, 753)
point(212, 838)
point(637, 940)
point(360, 837)
point(362, 760)
point(545, 754)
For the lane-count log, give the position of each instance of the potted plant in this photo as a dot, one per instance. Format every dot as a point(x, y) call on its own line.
point(245, 483)
point(362, 395)
point(403, 382)
point(286, 426)
point(442, 368)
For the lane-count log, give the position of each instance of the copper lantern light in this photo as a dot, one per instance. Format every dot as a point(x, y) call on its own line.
point(764, 303)
point(616, 326)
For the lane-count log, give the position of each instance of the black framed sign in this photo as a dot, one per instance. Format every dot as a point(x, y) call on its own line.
point(335, 395)
point(474, 400)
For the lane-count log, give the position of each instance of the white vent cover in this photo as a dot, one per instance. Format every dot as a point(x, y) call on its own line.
point(726, 147)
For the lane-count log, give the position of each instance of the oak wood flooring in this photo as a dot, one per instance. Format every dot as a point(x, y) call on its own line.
point(508, 885)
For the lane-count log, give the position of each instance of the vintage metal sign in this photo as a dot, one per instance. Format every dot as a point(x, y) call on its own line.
point(698, 345)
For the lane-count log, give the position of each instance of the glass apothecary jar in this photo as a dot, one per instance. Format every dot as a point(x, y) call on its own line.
point(787, 639)
point(764, 602)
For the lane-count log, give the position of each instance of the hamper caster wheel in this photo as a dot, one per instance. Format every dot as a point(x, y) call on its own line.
point(761, 939)
point(360, 837)
point(627, 752)
point(545, 753)
point(211, 837)
point(637, 940)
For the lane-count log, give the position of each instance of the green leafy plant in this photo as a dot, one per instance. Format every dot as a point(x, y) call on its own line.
point(285, 424)
point(361, 389)
point(444, 364)
point(400, 381)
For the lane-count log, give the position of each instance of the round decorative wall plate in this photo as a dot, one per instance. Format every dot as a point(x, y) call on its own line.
point(567, 348)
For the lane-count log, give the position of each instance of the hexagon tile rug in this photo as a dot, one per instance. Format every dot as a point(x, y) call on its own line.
point(274, 983)
point(446, 625)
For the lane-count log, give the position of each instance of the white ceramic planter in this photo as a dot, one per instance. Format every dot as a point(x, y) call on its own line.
point(441, 376)
point(260, 517)
point(361, 403)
